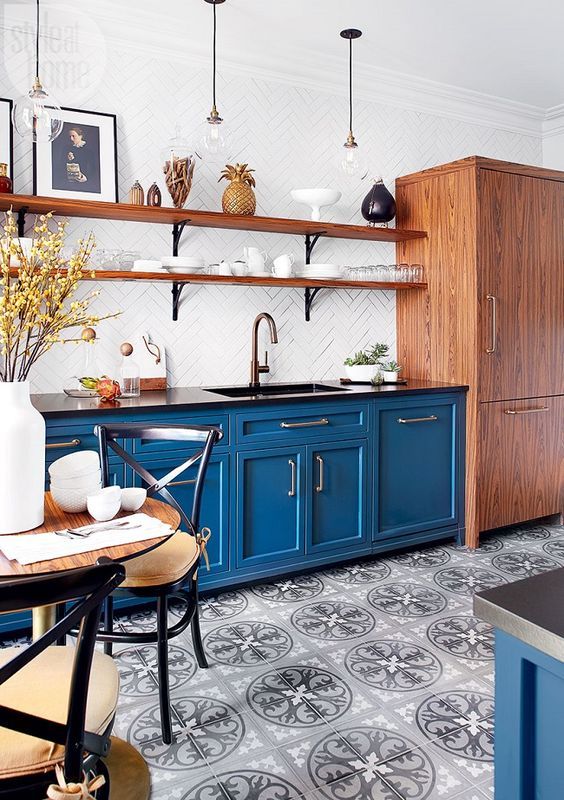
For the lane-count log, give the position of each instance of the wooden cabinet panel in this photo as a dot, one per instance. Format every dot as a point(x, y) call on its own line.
point(521, 286)
point(521, 460)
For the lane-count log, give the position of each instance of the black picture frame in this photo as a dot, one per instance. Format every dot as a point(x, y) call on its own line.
point(8, 155)
point(43, 158)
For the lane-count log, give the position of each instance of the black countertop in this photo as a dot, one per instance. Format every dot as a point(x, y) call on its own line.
point(532, 610)
point(57, 405)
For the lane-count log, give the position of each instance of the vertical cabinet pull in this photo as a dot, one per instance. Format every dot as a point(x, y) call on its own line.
point(320, 486)
point(292, 492)
point(493, 341)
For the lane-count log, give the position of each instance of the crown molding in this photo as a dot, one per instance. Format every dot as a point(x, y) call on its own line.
point(554, 121)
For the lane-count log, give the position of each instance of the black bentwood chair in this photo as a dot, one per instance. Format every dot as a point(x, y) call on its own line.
point(170, 569)
point(57, 704)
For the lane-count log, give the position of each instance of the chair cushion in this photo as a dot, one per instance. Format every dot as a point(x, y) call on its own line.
point(42, 688)
point(167, 563)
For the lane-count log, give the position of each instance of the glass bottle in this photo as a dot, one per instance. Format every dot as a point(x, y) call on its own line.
point(130, 374)
point(5, 181)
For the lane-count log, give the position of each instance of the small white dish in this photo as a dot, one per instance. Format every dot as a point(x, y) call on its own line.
point(75, 464)
point(105, 503)
point(133, 498)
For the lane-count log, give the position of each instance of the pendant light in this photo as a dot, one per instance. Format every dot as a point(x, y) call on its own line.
point(37, 115)
point(215, 139)
point(350, 158)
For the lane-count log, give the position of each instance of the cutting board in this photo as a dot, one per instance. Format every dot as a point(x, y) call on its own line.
point(149, 352)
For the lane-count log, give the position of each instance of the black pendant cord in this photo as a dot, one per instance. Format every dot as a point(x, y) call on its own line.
point(213, 59)
point(350, 86)
point(37, 40)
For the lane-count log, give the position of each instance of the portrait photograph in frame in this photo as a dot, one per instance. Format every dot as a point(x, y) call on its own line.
point(6, 135)
point(81, 163)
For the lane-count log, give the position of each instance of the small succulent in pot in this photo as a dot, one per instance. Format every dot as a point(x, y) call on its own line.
point(390, 371)
point(364, 366)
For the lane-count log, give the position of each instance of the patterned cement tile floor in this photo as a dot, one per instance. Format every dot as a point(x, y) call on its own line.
point(372, 680)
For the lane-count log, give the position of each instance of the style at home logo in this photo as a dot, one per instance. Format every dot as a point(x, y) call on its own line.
point(72, 50)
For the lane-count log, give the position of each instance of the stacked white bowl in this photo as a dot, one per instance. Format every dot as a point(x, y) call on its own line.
point(73, 478)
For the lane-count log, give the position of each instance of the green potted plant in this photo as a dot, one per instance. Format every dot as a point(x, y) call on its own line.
point(364, 366)
point(390, 371)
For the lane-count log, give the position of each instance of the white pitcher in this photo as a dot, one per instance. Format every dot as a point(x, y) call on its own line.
point(255, 258)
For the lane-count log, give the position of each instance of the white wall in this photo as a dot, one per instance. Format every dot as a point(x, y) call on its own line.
point(553, 151)
point(290, 135)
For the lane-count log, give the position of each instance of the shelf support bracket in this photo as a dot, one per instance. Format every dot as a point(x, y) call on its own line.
point(310, 242)
point(177, 230)
point(309, 296)
point(177, 289)
point(21, 220)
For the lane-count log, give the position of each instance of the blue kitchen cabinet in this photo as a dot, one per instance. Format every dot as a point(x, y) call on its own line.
point(270, 511)
point(215, 503)
point(337, 496)
point(418, 466)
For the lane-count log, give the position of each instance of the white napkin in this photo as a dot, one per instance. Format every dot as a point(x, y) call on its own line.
point(29, 548)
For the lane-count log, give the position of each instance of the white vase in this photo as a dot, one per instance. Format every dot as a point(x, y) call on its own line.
point(22, 460)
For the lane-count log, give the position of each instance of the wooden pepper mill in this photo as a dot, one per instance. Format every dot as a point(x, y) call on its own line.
point(137, 195)
point(154, 197)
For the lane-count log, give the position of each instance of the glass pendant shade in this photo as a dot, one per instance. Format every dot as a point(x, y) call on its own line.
point(37, 115)
point(215, 140)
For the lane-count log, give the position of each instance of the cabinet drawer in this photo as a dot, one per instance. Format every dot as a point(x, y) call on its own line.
point(302, 423)
point(62, 441)
point(521, 474)
point(142, 447)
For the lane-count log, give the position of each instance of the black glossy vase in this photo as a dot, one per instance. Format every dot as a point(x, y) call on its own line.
point(379, 205)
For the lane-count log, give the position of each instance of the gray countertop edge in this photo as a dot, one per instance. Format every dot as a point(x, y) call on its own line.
point(181, 398)
point(521, 628)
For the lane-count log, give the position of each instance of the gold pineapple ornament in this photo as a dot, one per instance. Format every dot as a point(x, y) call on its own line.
point(238, 198)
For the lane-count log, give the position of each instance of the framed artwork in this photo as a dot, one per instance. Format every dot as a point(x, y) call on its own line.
point(6, 136)
point(81, 163)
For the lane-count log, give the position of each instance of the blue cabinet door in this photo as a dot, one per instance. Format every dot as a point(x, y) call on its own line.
point(215, 504)
point(270, 505)
point(417, 471)
point(337, 496)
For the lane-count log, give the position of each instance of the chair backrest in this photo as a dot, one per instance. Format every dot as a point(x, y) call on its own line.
point(88, 586)
point(204, 436)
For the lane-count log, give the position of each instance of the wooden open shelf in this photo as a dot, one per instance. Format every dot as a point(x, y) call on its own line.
point(232, 280)
point(200, 219)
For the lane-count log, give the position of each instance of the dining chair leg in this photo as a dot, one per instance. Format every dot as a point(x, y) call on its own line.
point(162, 662)
point(108, 622)
point(197, 636)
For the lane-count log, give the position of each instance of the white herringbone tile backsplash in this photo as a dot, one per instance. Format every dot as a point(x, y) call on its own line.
point(291, 137)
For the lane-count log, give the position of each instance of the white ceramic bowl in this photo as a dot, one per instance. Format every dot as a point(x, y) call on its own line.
point(362, 373)
point(75, 464)
point(85, 481)
point(317, 199)
point(105, 503)
point(133, 498)
point(73, 501)
point(182, 261)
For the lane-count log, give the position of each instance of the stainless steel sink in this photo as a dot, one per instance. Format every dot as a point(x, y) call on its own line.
point(274, 389)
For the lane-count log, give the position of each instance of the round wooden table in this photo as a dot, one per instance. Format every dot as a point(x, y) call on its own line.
point(55, 519)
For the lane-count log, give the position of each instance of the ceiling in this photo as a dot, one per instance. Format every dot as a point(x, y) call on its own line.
point(506, 48)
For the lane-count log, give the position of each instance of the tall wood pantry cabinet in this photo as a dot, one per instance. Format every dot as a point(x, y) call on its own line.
point(492, 317)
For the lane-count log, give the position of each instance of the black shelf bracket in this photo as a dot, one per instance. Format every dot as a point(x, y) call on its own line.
point(310, 293)
point(309, 297)
point(177, 231)
point(177, 289)
point(21, 220)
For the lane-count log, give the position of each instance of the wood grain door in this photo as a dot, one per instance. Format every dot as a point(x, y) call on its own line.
point(520, 286)
point(521, 461)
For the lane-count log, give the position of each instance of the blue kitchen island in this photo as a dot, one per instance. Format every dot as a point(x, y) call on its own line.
point(299, 480)
point(528, 616)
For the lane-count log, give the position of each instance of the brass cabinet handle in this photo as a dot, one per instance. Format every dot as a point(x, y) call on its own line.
point(432, 418)
point(72, 443)
point(321, 463)
point(292, 492)
point(313, 424)
point(513, 411)
point(493, 347)
point(182, 483)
